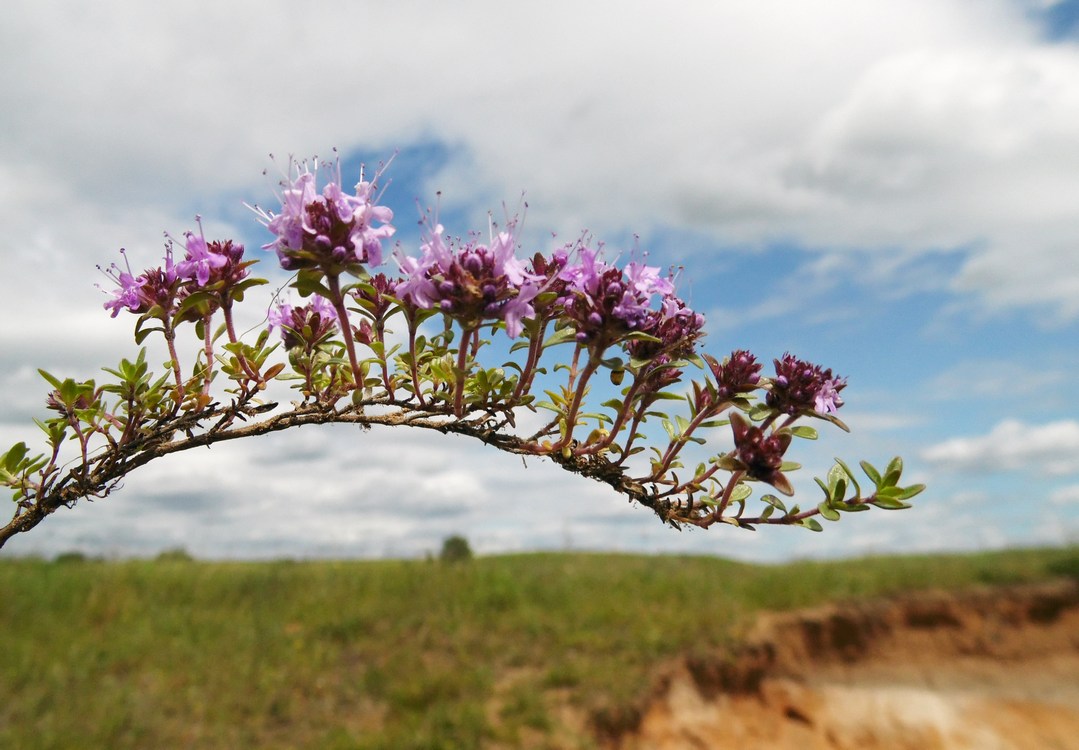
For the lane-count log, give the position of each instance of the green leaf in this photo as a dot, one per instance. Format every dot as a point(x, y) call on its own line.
point(53, 381)
point(14, 456)
point(199, 301)
point(835, 474)
point(871, 472)
point(237, 292)
point(775, 502)
point(560, 336)
point(893, 472)
point(641, 336)
point(893, 497)
point(804, 431)
point(888, 502)
point(852, 507)
point(850, 477)
point(812, 524)
point(309, 282)
point(758, 412)
point(56, 429)
point(828, 512)
point(727, 462)
point(667, 396)
point(837, 484)
point(141, 333)
point(69, 392)
point(740, 493)
point(911, 491)
point(670, 429)
point(556, 398)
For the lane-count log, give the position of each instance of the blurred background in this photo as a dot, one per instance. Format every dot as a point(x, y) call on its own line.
point(888, 189)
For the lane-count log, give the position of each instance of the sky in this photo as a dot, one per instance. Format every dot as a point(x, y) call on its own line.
point(890, 189)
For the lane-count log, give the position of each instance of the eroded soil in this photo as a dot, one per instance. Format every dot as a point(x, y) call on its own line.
point(985, 669)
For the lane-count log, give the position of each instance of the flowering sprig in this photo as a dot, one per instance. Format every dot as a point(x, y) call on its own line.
point(154, 295)
point(414, 349)
point(330, 231)
point(326, 234)
point(470, 284)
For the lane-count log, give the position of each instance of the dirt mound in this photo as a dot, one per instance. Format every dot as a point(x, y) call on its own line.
point(981, 669)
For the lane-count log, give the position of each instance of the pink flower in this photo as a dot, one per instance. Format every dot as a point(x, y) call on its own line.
point(606, 302)
point(202, 259)
point(646, 280)
point(827, 400)
point(416, 287)
point(513, 311)
point(332, 231)
point(127, 295)
point(154, 287)
point(471, 283)
point(801, 387)
point(304, 325)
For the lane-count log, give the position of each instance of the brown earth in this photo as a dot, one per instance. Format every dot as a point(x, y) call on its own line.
point(984, 669)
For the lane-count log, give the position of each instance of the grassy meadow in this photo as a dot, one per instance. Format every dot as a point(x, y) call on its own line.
point(493, 652)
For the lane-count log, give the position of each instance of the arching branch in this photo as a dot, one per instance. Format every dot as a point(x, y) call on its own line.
point(601, 351)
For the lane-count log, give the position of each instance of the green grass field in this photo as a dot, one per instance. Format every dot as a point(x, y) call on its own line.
point(391, 654)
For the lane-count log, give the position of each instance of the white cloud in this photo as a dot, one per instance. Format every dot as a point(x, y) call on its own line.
point(1002, 380)
point(900, 126)
point(1044, 4)
point(896, 128)
point(1065, 495)
point(970, 147)
point(1052, 448)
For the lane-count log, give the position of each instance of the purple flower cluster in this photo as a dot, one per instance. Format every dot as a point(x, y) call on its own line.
point(605, 302)
point(215, 266)
point(375, 295)
point(471, 283)
point(549, 268)
point(154, 287)
point(330, 231)
point(306, 325)
point(675, 328)
point(761, 454)
point(800, 387)
point(736, 375)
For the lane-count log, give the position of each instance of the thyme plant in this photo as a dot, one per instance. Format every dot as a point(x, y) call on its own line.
point(598, 354)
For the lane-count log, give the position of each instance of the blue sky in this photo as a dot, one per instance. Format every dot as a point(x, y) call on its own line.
point(891, 189)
